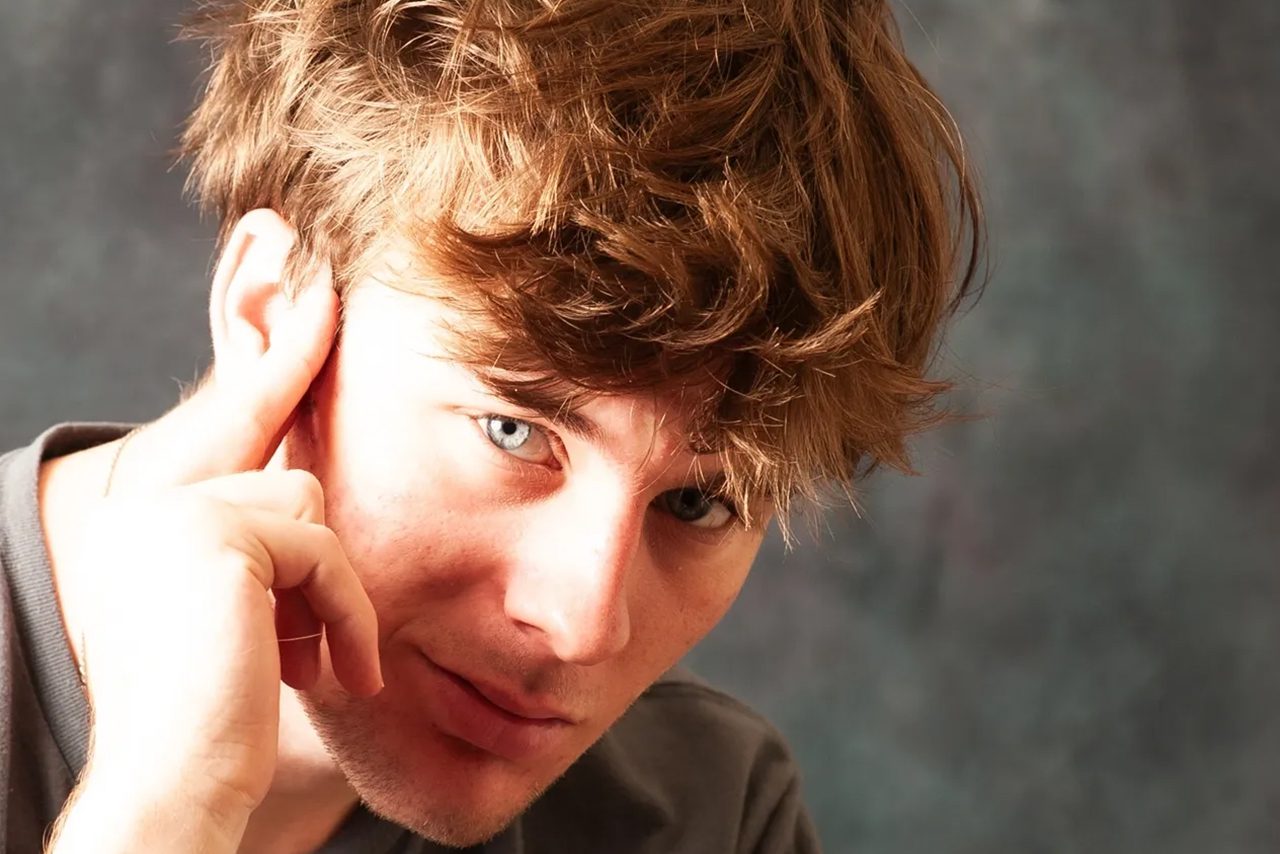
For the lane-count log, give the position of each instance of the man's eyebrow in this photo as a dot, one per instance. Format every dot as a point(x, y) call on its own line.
point(572, 420)
point(550, 404)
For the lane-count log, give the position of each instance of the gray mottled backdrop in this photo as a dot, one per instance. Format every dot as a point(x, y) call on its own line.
point(1063, 636)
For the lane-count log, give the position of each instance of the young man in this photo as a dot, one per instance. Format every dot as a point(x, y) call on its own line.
point(529, 318)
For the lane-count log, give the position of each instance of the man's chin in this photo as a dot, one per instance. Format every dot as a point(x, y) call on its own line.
point(472, 798)
point(454, 829)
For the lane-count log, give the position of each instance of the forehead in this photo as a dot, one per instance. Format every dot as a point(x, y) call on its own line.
point(421, 327)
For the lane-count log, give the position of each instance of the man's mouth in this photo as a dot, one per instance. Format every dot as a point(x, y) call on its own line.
point(490, 718)
point(512, 703)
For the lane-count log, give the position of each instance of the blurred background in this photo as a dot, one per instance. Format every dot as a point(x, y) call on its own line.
point(1060, 637)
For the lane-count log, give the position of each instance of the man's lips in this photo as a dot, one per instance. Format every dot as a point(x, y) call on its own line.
point(506, 724)
point(510, 702)
point(515, 704)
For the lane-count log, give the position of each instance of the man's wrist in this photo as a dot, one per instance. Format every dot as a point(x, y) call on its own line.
point(106, 818)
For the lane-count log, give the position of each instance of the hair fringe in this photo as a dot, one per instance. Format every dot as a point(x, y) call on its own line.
point(763, 195)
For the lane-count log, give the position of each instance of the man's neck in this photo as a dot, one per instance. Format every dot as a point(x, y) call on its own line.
point(309, 798)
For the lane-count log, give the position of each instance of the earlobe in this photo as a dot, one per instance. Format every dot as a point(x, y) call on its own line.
point(248, 297)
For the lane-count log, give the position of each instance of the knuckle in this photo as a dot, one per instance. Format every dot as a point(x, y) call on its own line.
point(325, 539)
point(237, 558)
point(304, 481)
point(306, 487)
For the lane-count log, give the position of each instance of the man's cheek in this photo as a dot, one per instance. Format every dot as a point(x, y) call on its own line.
point(410, 551)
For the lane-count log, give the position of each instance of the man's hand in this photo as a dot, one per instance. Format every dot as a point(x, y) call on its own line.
point(210, 580)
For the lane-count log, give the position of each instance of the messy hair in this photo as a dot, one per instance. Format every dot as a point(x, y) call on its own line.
point(624, 194)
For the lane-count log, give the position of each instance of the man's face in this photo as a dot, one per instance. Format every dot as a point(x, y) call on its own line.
point(555, 570)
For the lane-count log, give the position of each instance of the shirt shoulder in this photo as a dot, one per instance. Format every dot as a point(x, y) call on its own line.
point(688, 768)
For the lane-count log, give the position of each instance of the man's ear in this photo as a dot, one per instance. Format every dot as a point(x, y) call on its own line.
point(248, 300)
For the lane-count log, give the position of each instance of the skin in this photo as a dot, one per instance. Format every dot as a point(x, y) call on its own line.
point(553, 569)
point(551, 564)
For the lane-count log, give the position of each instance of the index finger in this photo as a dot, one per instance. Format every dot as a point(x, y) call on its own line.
point(233, 426)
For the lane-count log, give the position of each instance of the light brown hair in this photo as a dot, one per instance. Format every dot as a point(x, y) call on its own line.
point(624, 194)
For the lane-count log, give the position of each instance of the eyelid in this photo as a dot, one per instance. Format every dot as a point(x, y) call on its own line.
point(559, 455)
point(553, 438)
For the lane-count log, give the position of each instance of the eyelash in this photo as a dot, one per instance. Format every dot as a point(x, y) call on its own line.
point(558, 452)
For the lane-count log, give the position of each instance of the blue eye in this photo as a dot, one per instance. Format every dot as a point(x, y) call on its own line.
point(518, 438)
point(695, 507)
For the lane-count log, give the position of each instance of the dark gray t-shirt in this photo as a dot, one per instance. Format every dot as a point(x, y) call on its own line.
point(687, 769)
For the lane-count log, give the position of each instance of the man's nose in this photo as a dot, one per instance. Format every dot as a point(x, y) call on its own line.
point(570, 575)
